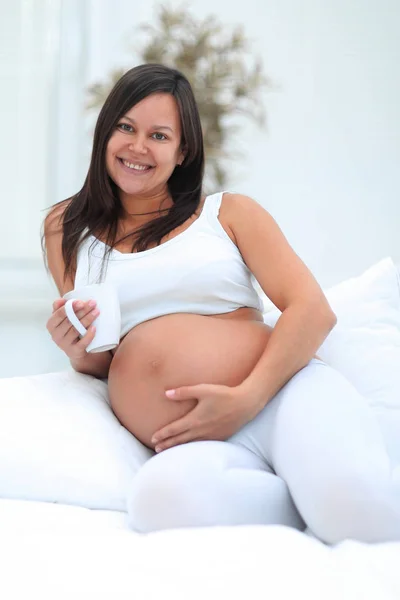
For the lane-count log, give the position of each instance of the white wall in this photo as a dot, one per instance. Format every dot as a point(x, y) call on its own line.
point(327, 169)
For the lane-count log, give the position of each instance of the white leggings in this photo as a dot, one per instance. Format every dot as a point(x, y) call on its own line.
point(314, 456)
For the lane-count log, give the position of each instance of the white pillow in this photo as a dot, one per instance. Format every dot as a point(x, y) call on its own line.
point(60, 442)
point(365, 344)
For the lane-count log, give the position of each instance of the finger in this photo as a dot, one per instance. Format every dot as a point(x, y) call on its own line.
point(183, 438)
point(61, 322)
point(84, 312)
point(173, 429)
point(59, 315)
point(189, 392)
point(87, 316)
point(86, 319)
point(76, 343)
point(57, 325)
point(84, 342)
point(71, 336)
point(60, 328)
point(58, 303)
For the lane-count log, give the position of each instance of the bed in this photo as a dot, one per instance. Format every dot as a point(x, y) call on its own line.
point(66, 465)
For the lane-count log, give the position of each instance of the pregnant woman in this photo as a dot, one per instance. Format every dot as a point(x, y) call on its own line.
point(246, 423)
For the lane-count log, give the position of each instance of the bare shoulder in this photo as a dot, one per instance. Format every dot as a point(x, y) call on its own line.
point(240, 213)
point(54, 218)
point(283, 276)
point(234, 204)
point(53, 235)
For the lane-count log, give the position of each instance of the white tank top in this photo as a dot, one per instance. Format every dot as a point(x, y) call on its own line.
point(198, 271)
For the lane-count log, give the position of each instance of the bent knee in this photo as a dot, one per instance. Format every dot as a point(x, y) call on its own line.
point(347, 508)
point(171, 491)
point(208, 483)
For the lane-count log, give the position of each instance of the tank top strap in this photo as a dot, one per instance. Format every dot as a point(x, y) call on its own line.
point(212, 205)
point(210, 212)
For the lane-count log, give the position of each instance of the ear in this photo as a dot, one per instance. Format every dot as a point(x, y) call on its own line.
point(181, 157)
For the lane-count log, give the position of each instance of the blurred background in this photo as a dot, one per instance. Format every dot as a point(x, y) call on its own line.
point(300, 107)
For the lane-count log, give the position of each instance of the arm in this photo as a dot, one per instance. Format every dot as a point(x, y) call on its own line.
point(306, 317)
point(305, 322)
point(97, 364)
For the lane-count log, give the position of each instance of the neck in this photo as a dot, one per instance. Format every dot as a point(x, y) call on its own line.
point(150, 205)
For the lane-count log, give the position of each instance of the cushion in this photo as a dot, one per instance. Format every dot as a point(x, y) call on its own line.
point(60, 442)
point(365, 344)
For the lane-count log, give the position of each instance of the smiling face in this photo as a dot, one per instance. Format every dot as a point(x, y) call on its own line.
point(145, 146)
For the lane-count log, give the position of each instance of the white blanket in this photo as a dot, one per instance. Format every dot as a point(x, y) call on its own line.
point(55, 552)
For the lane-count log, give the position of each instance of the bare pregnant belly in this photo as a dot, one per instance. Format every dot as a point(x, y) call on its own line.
point(173, 351)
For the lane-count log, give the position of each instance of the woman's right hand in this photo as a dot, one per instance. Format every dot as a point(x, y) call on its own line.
point(65, 335)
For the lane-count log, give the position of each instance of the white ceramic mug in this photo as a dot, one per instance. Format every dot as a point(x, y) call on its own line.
point(108, 323)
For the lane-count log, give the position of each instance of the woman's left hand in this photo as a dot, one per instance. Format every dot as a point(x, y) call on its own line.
point(220, 412)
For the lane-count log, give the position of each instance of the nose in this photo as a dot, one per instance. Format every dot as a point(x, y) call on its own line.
point(138, 145)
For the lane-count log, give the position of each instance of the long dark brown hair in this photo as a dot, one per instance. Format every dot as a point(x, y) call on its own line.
point(96, 208)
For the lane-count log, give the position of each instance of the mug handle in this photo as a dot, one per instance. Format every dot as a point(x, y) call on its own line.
point(72, 318)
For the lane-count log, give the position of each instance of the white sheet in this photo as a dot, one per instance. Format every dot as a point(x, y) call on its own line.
point(57, 552)
point(20, 516)
point(54, 551)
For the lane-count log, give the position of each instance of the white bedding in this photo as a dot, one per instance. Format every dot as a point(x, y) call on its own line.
point(66, 465)
point(56, 552)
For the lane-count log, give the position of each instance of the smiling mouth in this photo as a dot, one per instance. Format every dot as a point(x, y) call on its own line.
point(135, 167)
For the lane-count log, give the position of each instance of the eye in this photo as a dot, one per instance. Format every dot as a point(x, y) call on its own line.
point(125, 127)
point(161, 138)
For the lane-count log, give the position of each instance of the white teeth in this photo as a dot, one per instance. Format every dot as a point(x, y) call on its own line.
point(136, 167)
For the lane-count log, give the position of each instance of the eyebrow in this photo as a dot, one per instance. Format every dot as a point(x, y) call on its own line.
point(153, 127)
